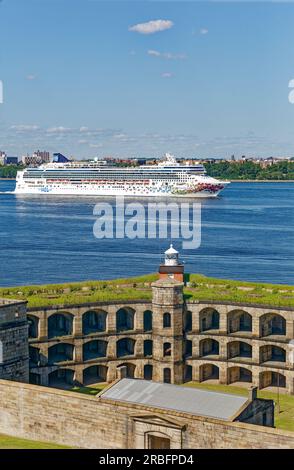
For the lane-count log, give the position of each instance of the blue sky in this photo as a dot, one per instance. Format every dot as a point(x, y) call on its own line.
point(79, 79)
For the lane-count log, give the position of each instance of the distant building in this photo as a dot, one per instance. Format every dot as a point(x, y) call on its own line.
point(2, 158)
point(36, 159)
point(11, 161)
point(31, 160)
point(43, 155)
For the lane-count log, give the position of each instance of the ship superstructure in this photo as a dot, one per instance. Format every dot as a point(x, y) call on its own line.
point(167, 178)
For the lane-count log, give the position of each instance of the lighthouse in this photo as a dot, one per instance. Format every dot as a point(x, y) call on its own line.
point(172, 268)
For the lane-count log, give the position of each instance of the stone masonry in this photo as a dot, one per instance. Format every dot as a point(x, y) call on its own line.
point(168, 339)
point(14, 348)
point(42, 413)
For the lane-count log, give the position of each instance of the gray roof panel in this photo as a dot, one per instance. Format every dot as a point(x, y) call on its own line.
point(174, 397)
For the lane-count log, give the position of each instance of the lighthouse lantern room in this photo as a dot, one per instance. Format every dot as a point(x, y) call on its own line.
point(172, 267)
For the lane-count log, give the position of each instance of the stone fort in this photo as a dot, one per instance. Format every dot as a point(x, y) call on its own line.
point(169, 340)
point(166, 340)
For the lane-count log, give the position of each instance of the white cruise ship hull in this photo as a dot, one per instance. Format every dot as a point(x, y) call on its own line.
point(96, 191)
point(167, 179)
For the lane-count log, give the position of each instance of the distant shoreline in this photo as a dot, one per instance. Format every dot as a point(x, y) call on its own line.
point(258, 181)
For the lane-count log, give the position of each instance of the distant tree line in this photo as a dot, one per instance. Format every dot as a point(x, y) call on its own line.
point(227, 170)
point(251, 171)
point(9, 171)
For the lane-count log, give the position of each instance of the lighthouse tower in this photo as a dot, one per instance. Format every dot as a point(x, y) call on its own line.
point(172, 268)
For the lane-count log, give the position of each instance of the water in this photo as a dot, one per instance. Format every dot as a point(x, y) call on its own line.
point(247, 234)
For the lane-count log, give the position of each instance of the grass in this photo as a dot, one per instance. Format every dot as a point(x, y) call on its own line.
point(206, 288)
point(83, 292)
point(93, 390)
point(139, 288)
point(283, 420)
point(9, 442)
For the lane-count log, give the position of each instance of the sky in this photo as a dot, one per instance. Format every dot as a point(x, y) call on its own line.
point(92, 78)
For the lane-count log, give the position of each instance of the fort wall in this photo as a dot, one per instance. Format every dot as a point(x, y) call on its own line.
point(46, 414)
point(226, 342)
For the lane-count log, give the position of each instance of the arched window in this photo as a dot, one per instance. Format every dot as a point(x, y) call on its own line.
point(148, 347)
point(125, 347)
point(188, 348)
point(148, 372)
point(272, 324)
point(33, 326)
point(61, 378)
point(272, 353)
point(131, 368)
point(271, 379)
point(166, 320)
point(188, 373)
point(125, 319)
point(147, 320)
point(209, 347)
point(94, 321)
point(94, 374)
point(94, 349)
point(60, 324)
point(166, 349)
point(238, 320)
point(208, 372)
point(167, 375)
point(239, 349)
point(60, 352)
point(188, 321)
point(209, 319)
point(239, 374)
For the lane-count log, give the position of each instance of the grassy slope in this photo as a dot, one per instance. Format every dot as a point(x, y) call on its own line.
point(199, 288)
point(203, 288)
point(9, 442)
point(283, 420)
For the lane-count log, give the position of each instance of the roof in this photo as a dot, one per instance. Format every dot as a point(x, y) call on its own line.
point(171, 251)
point(174, 397)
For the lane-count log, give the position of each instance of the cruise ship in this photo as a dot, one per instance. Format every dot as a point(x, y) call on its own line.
point(167, 178)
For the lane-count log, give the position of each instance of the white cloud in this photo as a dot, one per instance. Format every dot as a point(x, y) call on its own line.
point(151, 27)
point(59, 130)
point(96, 146)
point(31, 77)
point(167, 74)
point(166, 55)
point(121, 135)
point(154, 53)
point(203, 31)
point(24, 128)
